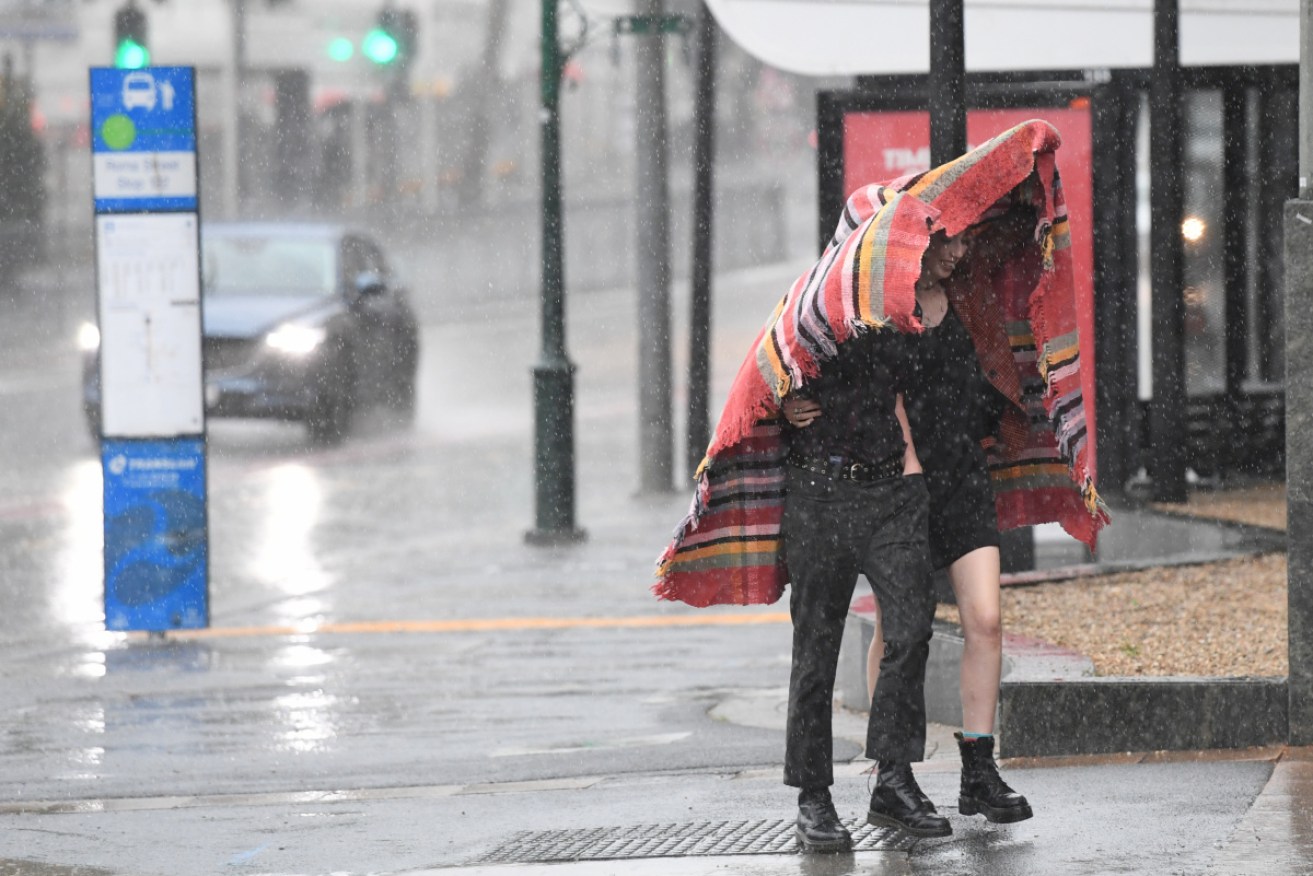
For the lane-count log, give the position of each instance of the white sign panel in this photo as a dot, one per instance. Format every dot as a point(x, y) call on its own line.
point(144, 174)
point(150, 325)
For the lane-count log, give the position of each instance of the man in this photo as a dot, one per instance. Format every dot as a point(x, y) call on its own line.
point(815, 507)
point(851, 509)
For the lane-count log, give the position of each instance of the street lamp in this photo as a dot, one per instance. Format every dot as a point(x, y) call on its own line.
point(380, 47)
point(553, 376)
point(393, 39)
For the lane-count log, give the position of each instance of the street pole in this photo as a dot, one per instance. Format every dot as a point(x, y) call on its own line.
point(699, 335)
point(1166, 200)
point(656, 439)
point(360, 152)
point(232, 144)
point(553, 376)
point(1299, 407)
point(948, 112)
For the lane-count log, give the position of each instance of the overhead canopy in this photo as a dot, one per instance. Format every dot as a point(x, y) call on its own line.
point(857, 37)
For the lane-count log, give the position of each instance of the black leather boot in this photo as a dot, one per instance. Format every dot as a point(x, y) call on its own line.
point(819, 828)
point(983, 789)
point(898, 801)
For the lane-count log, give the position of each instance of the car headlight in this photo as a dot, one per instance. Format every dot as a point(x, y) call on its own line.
point(88, 337)
point(295, 340)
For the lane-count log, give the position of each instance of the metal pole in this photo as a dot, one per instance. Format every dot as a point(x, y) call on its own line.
point(1235, 212)
point(1299, 408)
point(232, 109)
point(553, 376)
point(1305, 98)
point(360, 153)
point(656, 440)
point(1114, 115)
point(699, 335)
point(232, 146)
point(429, 161)
point(1166, 199)
point(948, 113)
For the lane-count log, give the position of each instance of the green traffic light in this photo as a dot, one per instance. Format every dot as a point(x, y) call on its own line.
point(379, 46)
point(341, 49)
point(131, 55)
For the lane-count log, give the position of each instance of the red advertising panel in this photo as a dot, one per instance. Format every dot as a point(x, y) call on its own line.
point(881, 145)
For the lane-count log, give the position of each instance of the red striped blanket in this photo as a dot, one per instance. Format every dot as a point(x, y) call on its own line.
point(1022, 317)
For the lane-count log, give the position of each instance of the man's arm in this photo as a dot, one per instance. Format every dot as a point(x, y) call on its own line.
point(911, 462)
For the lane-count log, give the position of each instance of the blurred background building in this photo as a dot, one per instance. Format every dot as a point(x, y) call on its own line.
point(432, 135)
point(302, 114)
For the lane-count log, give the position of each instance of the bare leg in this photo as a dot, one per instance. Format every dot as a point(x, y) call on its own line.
point(975, 578)
point(873, 657)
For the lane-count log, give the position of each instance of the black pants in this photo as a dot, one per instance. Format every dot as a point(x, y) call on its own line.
point(835, 530)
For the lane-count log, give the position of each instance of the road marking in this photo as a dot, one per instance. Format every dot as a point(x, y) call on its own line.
point(477, 625)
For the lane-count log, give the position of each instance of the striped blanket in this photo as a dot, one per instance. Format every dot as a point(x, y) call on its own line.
point(1022, 318)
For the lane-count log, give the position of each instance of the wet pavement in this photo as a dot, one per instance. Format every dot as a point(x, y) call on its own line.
point(394, 682)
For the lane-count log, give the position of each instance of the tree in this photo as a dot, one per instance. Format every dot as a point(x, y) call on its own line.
point(22, 174)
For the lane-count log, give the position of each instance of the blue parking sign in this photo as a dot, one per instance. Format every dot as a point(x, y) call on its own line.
point(156, 536)
point(143, 139)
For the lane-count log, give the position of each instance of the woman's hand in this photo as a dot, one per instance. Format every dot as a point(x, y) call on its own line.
point(800, 412)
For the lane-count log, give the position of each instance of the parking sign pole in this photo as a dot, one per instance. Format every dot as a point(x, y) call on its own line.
point(152, 411)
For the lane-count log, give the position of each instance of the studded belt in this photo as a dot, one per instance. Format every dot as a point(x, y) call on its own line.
point(843, 469)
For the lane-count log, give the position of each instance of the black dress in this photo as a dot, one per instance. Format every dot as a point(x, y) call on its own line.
point(950, 408)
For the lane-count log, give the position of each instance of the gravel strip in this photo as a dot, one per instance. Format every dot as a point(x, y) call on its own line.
point(1213, 619)
point(1263, 505)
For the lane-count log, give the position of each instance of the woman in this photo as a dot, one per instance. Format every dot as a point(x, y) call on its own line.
point(950, 407)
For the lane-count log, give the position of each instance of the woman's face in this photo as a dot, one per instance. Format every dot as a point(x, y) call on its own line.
point(942, 255)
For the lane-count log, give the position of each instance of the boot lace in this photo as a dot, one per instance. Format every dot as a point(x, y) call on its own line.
point(990, 778)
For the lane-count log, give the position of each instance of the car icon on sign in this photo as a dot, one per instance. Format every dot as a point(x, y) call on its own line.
point(139, 91)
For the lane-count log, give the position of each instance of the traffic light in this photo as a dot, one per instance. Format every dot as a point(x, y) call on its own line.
point(130, 44)
point(391, 42)
point(341, 49)
point(380, 46)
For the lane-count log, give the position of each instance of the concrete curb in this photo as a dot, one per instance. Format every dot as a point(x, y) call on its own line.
point(1052, 704)
point(1116, 714)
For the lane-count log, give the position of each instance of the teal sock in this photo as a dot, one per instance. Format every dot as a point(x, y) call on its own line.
point(966, 735)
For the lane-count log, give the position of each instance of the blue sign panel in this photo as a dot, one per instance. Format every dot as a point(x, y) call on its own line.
point(143, 139)
point(156, 542)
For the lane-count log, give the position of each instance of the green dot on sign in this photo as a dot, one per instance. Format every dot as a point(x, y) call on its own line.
point(118, 132)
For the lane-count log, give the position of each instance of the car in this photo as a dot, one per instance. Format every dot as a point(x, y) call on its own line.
point(301, 322)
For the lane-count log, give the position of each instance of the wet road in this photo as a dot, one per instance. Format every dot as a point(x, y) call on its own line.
point(378, 621)
point(394, 682)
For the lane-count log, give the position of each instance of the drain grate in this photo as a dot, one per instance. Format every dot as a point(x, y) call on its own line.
point(677, 840)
